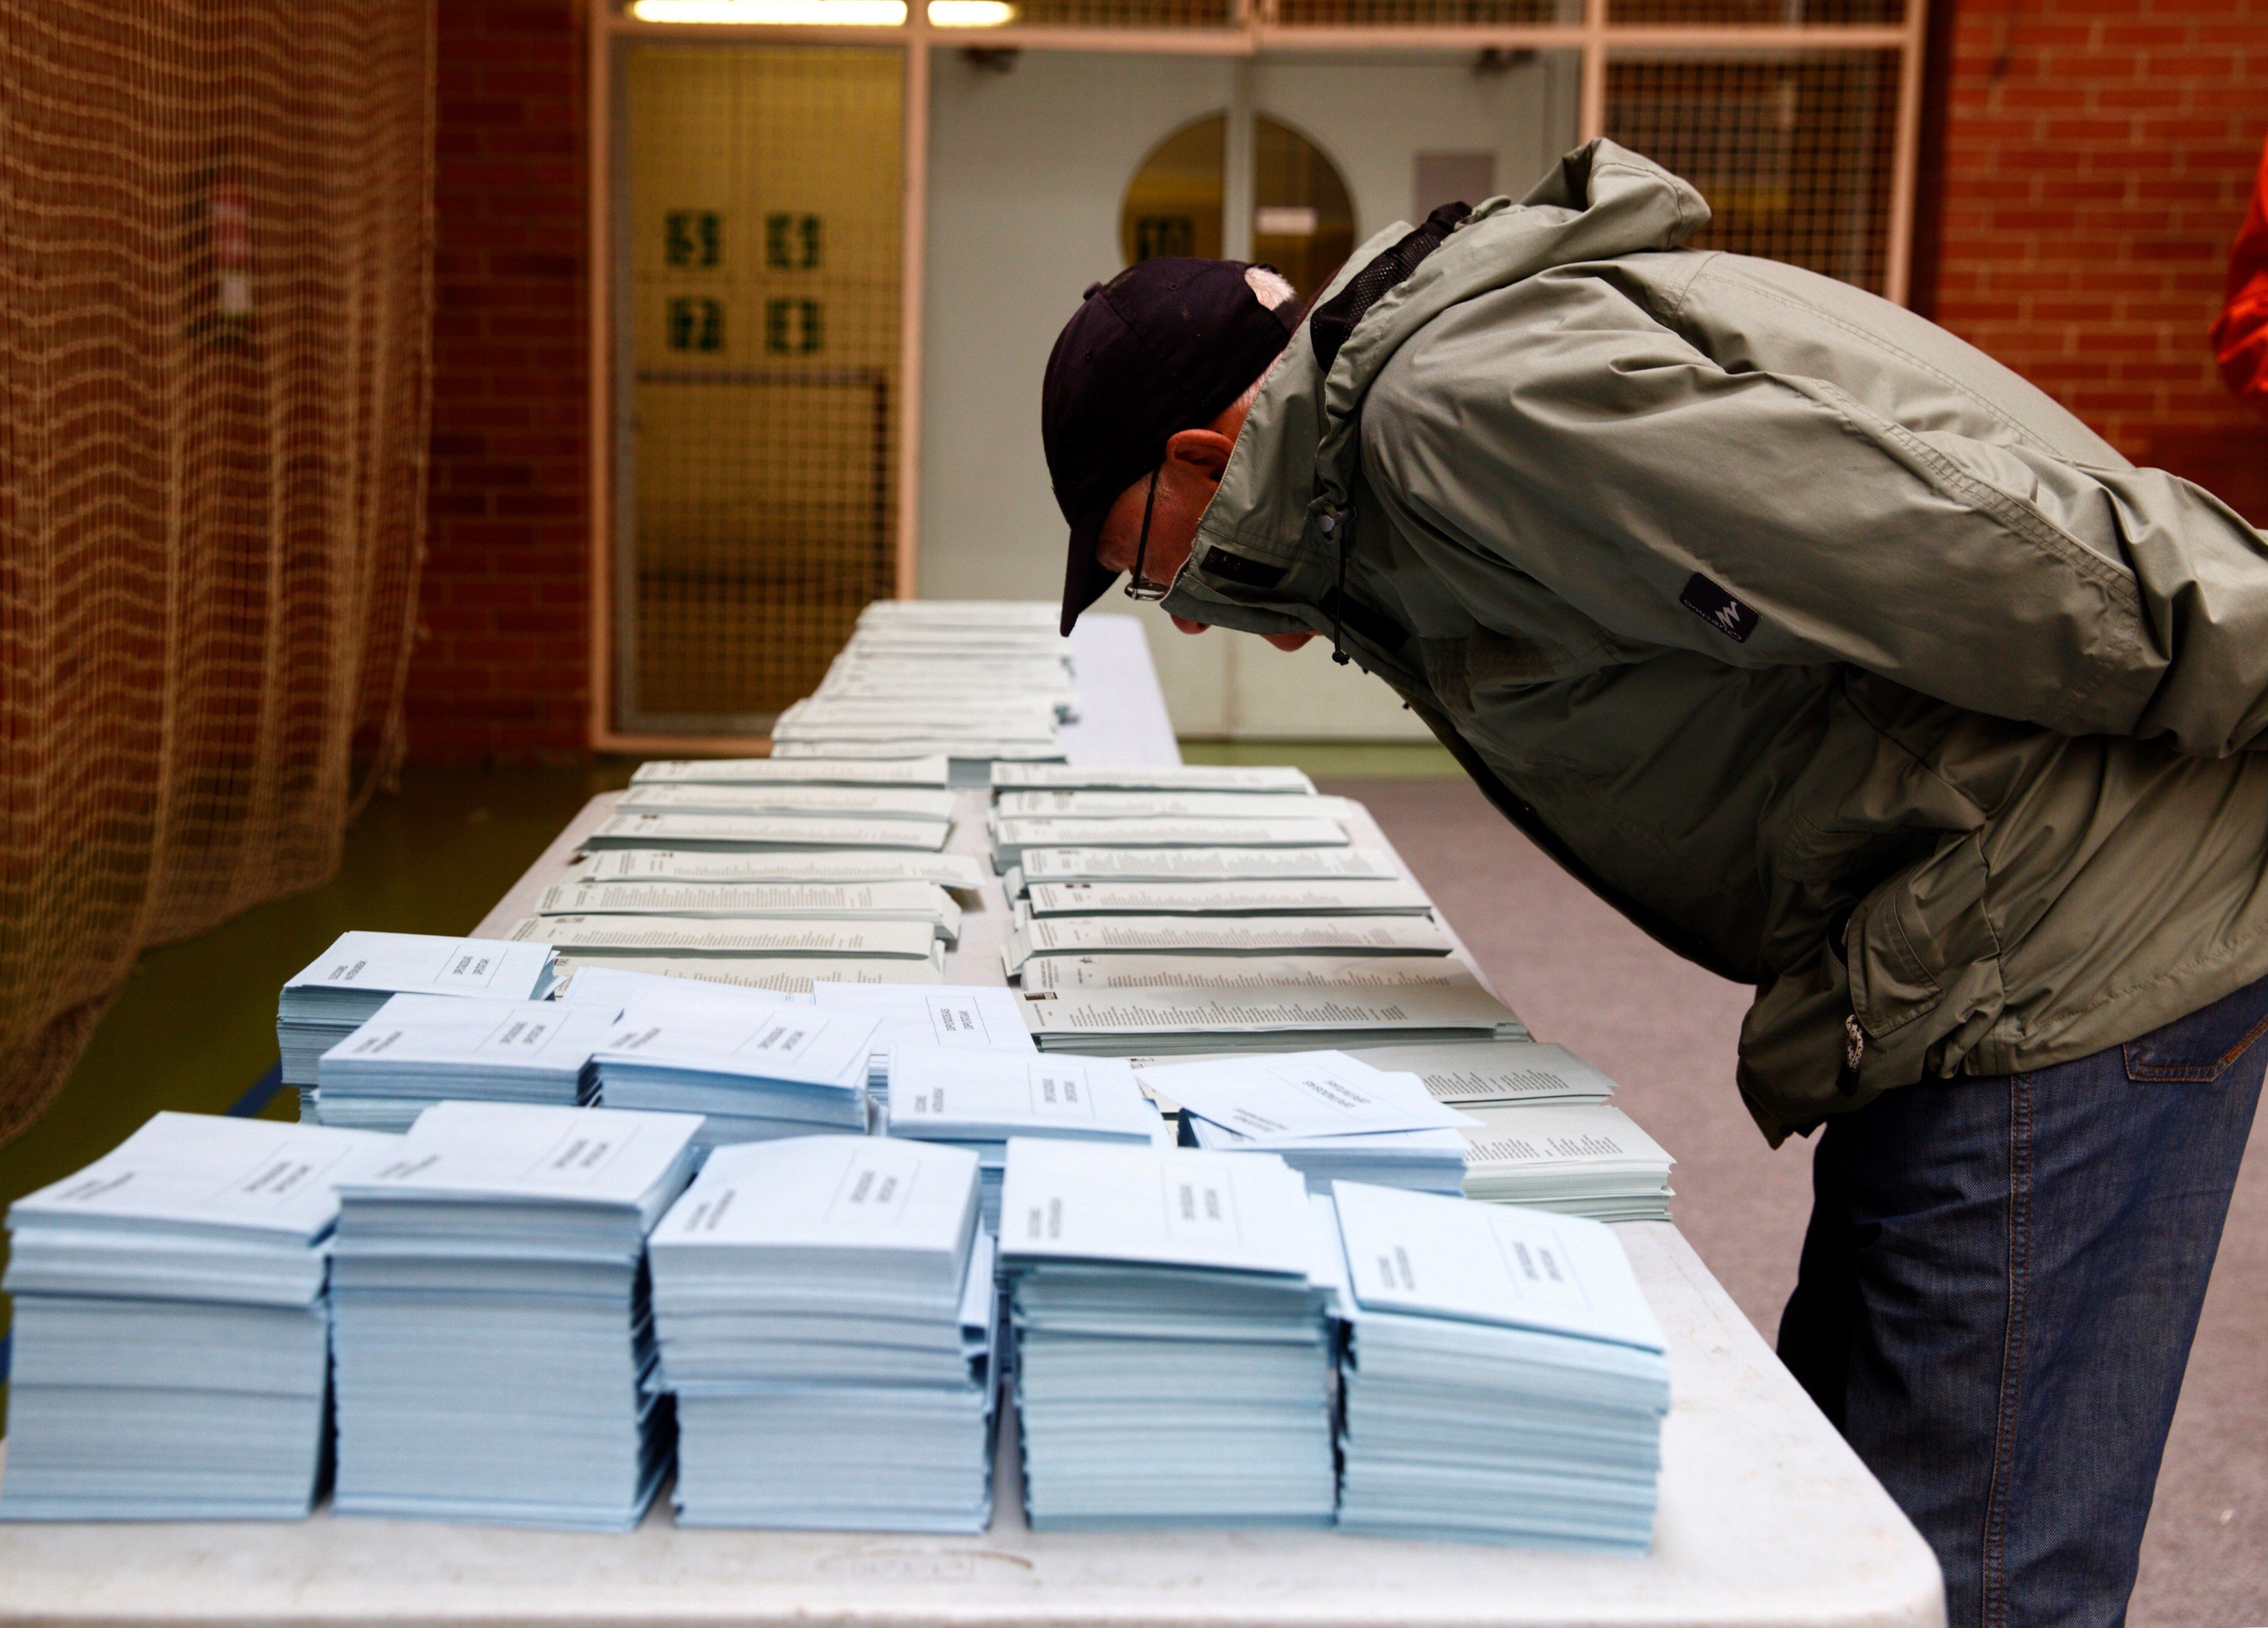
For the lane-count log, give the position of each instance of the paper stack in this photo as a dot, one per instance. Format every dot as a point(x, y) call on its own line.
point(753, 1069)
point(761, 798)
point(686, 937)
point(773, 975)
point(1330, 863)
point(1280, 779)
point(1395, 897)
point(827, 1314)
point(420, 1049)
point(342, 989)
point(1580, 1159)
point(1502, 1377)
point(916, 771)
point(1326, 1114)
point(925, 903)
point(1251, 975)
point(977, 1100)
point(1172, 1363)
point(957, 871)
point(1221, 935)
point(172, 1337)
point(493, 1338)
point(957, 1014)
point(712, 832)
point(1196, 1019)
point(975, 682)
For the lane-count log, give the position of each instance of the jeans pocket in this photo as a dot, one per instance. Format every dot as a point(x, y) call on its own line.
point(2204, 1045)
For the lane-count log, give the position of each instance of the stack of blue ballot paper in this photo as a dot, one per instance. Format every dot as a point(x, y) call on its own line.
point(978, 1099)
point(1172, 1363)
point(1504, 1378)
point(172, 1335)
point(492, 1335)
point(754, 1066)
point(1328, 1114)
point(945, 1015)
point(826, 1315)
point(342, 989)
point(421, 1049)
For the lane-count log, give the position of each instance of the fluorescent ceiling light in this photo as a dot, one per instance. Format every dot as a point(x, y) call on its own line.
point(970, 13)
point(804, 13)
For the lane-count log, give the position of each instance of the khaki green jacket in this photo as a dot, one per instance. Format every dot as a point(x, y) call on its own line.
point(1825, 648)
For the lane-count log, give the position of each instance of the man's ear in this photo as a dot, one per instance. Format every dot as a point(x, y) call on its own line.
point(1201, 451)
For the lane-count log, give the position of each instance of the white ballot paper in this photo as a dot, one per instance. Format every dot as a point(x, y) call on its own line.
point(962, 1095)
point(1395, 897)
point(1101, 1201)
point(682, 935)
point(918, 771)
point(1232, 935)
point(1239, 972)
point(832, 802)
point(914, 902)
point(919, 746)
point(967, 1015)
point(1202, 864)
point(1279, 780)
point(958, 871)
point(766, 974)
point(1580, 1159)
point(1428, 1255)
point(1011, 838)
point(1498, 1071)
point(1167, 806)
point(1163, 1021)
point(742, 831)
point(1293, 1096)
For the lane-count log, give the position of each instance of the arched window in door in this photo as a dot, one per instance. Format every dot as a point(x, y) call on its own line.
point(1302, 215)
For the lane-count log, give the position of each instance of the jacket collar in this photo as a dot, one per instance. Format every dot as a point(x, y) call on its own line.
point(1267, 548)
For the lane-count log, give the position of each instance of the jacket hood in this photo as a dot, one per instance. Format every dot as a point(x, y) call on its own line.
point(1289, 480)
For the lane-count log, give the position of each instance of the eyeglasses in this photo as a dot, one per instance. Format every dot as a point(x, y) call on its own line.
point(1138, 585)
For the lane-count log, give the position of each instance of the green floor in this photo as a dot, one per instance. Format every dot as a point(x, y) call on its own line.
point(195, 1026)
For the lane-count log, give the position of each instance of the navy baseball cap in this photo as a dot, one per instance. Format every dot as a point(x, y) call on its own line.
point(1164, 346)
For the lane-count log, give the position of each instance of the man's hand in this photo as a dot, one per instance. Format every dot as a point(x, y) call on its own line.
point(1282, 641)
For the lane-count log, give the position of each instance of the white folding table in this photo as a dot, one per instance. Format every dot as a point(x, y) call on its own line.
point(1767, 1518)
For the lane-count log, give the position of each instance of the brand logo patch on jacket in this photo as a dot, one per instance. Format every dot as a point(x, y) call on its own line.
point(1720, 609)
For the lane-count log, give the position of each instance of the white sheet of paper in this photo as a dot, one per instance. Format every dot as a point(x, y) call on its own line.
point(1431, 1255)
point(1293, 1096)
point(1105, 1201)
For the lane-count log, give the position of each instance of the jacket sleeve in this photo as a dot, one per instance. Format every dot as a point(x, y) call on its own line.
point(2239, 338)
point(1586, 445)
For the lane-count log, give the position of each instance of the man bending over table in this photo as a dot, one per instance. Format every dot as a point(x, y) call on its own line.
point(1847, 665)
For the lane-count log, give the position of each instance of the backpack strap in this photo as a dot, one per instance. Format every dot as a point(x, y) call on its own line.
point(1334, 320)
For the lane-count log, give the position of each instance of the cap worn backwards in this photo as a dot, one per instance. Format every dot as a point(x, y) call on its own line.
point(1165, 346)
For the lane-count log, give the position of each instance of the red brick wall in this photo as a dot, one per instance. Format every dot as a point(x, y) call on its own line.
point(2098, 156)
point(502, 670)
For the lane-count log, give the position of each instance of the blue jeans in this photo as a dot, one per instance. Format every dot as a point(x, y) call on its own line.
point(1999, 1288)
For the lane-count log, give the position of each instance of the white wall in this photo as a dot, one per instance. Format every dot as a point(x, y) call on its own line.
point(1026, 170)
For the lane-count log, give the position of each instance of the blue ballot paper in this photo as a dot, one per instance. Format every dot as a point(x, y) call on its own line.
point(945, 1015)
point(171, 1334)
point(827, 1314)
point(1503, 1378)
point(492, 1335)
point(1195, 1273)
point(753, 1069)
point(420, 1050)
point(342, 989)
point(976, 1097)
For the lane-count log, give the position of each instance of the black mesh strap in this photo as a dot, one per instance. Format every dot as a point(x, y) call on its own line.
point(1334, 320)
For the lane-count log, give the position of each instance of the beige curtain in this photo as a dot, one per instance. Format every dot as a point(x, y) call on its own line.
point(215, 310)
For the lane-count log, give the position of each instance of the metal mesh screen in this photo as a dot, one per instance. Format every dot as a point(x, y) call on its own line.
point(215, 257)
point(763, 240)
point(1794, 153)
point(1763, 13)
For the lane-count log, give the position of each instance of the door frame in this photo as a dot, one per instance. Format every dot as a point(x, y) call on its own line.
point(1591, 33)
